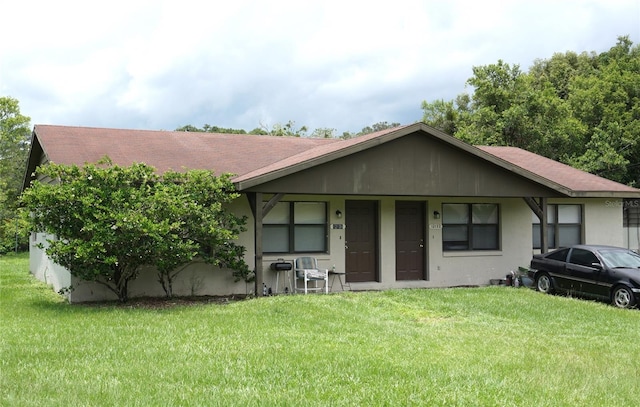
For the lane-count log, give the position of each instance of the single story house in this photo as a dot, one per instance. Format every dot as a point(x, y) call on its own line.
point(408, 207)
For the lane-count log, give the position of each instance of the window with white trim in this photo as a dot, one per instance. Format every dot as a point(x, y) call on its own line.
point(295, 227)
point(470, 227)
point(564, 226)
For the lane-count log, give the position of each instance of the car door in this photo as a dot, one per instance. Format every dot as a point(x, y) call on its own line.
point(585, 274)
point(555, 263)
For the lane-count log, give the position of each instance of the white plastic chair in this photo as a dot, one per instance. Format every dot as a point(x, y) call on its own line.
point(306, 269)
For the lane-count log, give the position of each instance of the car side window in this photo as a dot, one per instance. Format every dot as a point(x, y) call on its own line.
point(583, 257)
point(559, 255)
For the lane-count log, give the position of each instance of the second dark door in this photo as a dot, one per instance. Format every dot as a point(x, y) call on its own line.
point(410, 233)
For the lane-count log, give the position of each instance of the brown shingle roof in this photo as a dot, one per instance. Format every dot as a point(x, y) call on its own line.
point(561, 174)
point(164, 150)
point(256, 159)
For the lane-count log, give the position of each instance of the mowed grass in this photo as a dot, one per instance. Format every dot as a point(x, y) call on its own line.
point(491, 346)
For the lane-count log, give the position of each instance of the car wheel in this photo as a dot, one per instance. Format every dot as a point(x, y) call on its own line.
point(622, 297)
point(544, 284)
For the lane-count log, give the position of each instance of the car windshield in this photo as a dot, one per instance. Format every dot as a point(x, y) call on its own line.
point(620, 258)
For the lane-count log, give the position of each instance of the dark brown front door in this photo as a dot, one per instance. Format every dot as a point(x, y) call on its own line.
point(410, 232)
point(361, 241)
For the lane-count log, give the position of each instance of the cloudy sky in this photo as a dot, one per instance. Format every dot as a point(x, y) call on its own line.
point(162, 64)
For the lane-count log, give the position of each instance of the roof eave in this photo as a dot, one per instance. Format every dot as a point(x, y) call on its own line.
point(605, 194)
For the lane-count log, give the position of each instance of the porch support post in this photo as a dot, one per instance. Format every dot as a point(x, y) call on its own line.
point(544, 226)
point(540, 209)
point(259, 212)
point(255, 201)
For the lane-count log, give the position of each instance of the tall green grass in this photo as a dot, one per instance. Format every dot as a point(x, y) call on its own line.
point(490, 346)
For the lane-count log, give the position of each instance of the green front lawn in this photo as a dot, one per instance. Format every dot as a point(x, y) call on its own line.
point(492, 346)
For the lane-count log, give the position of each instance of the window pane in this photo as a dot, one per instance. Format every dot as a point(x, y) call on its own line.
point(551, 241)
point(536, 237)
point(455, 213)
point(448, 246)
point(560, 255)
point(583, 257)
point(568, 235)
point(551, 213)
point(485, 213)
point(275, 239)
point(569, 214)
point(278, 215)
point(310, 238)
point(485, 237)
point(551, 238)
point(450, 233)
point(455, 237)
point(310, 213)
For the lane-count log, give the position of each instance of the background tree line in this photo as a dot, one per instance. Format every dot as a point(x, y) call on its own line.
point(289, 129)
point(579, 109)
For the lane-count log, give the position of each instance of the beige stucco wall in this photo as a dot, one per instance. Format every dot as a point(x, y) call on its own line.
point(602, 219)
point(478, 267)
point(604, 222)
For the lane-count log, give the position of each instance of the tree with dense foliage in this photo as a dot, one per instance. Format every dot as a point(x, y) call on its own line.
point(15, 136)
point(580, 109)
point(110, 221)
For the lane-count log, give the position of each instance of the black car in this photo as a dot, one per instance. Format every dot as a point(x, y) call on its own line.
point(603, 272)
